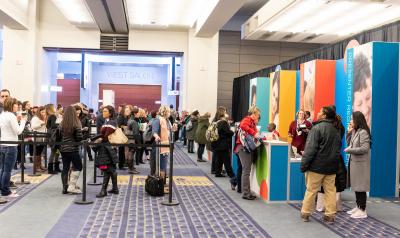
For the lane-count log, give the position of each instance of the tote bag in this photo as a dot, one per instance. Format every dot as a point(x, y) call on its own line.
point(118, 137)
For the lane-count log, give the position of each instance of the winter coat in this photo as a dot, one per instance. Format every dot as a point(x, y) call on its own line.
point(322, 150)
point(106, 155)
point(225, 134)
point(202, 127)
point(248, 125)
point(360, 160)
point(191, 134)
point(75, 137)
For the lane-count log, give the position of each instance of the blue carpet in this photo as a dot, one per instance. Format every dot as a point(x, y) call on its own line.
point(345, 226)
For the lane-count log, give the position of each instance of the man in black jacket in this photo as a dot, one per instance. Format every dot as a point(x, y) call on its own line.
point(320, 163)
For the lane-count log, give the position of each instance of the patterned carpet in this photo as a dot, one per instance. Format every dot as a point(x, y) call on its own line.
point(345, 226)
point(204, 210)
point(23, 189)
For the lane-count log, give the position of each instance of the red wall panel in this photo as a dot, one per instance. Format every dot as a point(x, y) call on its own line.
point(70, 91)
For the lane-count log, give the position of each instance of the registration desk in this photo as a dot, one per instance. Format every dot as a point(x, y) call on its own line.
point(274, 177)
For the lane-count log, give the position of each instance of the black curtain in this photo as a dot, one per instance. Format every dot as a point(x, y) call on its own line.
point(240, 98)
point(387, 33)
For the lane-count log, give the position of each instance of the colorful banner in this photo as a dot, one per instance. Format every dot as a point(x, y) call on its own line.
point(262, 101)
point(282, 100)
point(317, 86)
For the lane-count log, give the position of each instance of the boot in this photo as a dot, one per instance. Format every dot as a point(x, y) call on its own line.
point(57, 167)
point(320, 202)
point(51, 169)
point(40, 164)
point(64, 180)
point(72, 183)
point(38, 161)
point(103, 191)
point(114, 180)
point(36, 165)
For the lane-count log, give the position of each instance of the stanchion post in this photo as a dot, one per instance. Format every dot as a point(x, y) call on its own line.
point(34, 172)
point(22, 162)
point(170, 202)
point(94, 183)
point(84, 201)
point(45, 150)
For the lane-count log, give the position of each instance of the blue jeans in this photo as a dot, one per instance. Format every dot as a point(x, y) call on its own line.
point(8, 156)
point(163, 162)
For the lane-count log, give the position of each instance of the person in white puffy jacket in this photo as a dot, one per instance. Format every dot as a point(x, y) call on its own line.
point(11, 126)
point(38, 124)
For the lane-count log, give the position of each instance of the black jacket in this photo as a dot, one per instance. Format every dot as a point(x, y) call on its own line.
point(106, 155)
point(85, 121)
point(75, 137)
point(225, 134)
point(322, 150)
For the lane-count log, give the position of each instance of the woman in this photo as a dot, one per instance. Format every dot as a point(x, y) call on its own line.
point(201, 135)
point(71, 131)
point(359, 149)
point(11, 126)
point(107, 157)
point(122, 122)
point(222, 146)
point(191, 128)
point(85, 122)
point(298, 131)
point(141, 119)
point(38, 124)
point(51, 125)
point(249, 126)
point(162, 130)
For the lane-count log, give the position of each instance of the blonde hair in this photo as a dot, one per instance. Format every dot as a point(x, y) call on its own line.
point(142, 112)
point(254, 110)
point(164, 110)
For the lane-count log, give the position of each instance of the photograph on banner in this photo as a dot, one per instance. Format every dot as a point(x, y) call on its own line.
point(275, 88)
point(309, 88)
point(253, 92)
point(362, 81)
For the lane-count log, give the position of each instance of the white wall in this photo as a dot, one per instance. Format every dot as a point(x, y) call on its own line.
point(51, 29)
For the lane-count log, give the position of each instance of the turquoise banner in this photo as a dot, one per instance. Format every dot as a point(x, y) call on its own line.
point(262, 102)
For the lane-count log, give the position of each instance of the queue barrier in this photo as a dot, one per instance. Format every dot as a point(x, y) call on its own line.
point(85, 144)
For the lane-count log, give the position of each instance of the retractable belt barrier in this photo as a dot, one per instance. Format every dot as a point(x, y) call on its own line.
point(84, 143)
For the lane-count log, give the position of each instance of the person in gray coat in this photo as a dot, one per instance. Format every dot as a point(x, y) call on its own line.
point(191, 128)
point(359, 141)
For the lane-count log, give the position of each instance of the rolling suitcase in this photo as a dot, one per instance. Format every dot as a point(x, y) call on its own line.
point(154, 184)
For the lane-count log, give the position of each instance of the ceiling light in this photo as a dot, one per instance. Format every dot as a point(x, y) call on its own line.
point(75, 11)
point(353, 17)
point(293, 15)
point(385, 16)
point(326, 13)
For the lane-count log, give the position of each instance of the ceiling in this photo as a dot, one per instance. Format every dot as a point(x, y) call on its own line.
point(318, 21)
point(307, 21)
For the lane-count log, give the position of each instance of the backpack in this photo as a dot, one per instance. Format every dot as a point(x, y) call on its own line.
point(249, 142)
point(148, 133)
point(189, 126)
point(133, 127)
point(212, 132)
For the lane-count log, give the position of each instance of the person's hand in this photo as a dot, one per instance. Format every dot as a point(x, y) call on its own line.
point(157, 138)
point(347, 149)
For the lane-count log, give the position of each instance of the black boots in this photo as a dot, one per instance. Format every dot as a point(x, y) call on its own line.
point(64, 180)
point(57, 167)
point(114, 180)
point(50, 168)
point(103, 191)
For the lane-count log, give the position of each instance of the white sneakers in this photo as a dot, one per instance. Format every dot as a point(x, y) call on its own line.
point(13, 194)
point(357, 213)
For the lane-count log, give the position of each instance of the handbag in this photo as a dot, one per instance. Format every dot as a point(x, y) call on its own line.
point(118, 137)
point(154, 184)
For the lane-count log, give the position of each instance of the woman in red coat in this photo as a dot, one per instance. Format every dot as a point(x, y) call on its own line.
point(249, 126)
point(298, 131)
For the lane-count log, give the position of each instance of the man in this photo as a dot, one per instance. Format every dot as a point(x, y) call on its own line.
point(320, 163)
point(4, 94)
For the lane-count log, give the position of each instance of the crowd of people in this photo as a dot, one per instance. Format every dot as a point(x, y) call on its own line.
point(318, 143)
